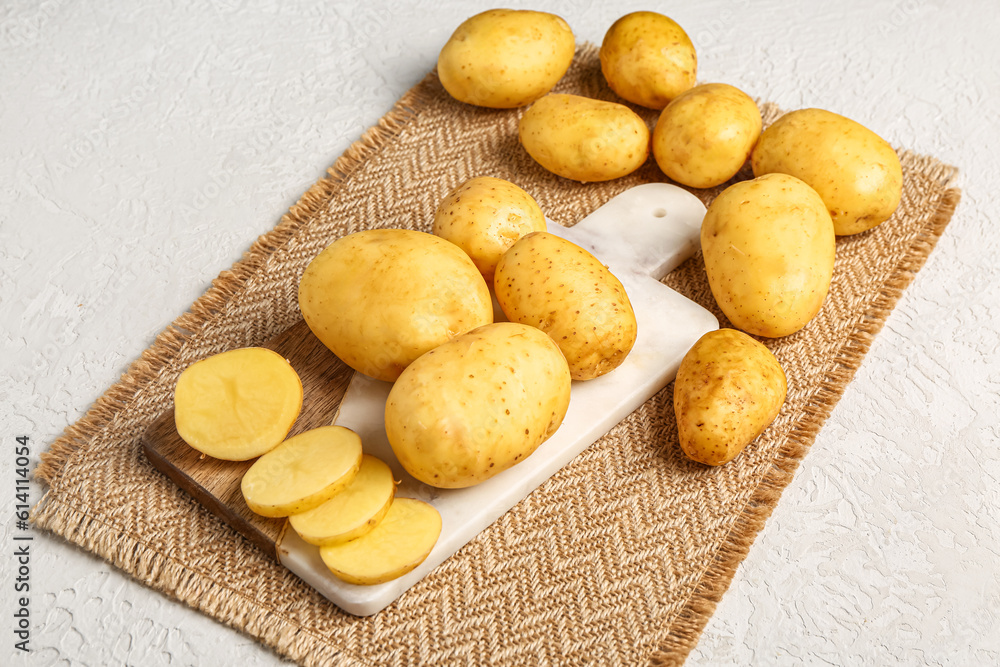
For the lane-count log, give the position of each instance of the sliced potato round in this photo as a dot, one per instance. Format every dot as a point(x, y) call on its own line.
point(356, 510)
point(303, 472)
point(397, 545)
point(237, 405)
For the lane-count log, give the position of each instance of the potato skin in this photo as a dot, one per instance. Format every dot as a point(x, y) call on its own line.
point(648, 59)
point(855, 171)
point(380, 298)
point(506, 58)
point(484, 216)
point(768, 245)
point(705, 135)
point(555, 285)
point(477, 405)
point(584, 139)
point(728, 389)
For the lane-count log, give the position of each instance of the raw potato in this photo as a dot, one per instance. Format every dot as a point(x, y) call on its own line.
point(769, 249)
point(728, 389)
point(484, 216)
point(855, 171)
point(555, 285)
point(397, 545)
point(477, 405)
point(506, 58)
point(238, 404)
point(356, 510)
point(382, 297)
point(705, 135)
point(583, 139)
point(648, 59)
point(303, 472)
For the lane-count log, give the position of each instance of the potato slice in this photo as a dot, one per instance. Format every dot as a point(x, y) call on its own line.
point(238, 404)
point(396, 546)
point(303, 472)
point(356, 510)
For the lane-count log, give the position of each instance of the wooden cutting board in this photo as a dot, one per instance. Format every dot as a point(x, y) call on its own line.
point(215, 483)
point(641, 235)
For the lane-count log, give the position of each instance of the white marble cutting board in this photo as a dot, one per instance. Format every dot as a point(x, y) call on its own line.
point(640, 235)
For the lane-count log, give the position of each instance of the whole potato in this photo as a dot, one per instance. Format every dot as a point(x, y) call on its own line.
point(728, 389)
point(648, 59)
point(382, 297)
point(855, 171)
point(477, 404)
point(484, 216)
point(769, 249)
point(584, 139)
point(506, 58)
point(555, 285)
point(705, 135)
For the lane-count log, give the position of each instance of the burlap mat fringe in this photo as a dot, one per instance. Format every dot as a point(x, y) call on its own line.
point(179, 581)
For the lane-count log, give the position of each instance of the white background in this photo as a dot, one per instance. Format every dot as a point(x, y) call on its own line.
point(144, 147)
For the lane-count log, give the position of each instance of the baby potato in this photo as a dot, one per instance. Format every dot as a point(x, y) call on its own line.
point(769, 249)
point(555, 285)
point(584, 139)
point(506, 58)
point(728, 389)
point(705, 135)
point(855, 171)
point(380, 298)
point(648, 59)
point(484, 216)
point(477, 405)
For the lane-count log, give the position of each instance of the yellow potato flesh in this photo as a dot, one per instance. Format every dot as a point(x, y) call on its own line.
point(769, 249)
point(584, 139)
point(238, 404)
point(855, 171)
point(477, 405)
point(354, 511)
point(397, 545)
point(728, 389)
point(648, 59)
point(380, 298)
point(705, 135)
point(555, 285)
point(484, 216)
point(303, 472)
point(504, 58)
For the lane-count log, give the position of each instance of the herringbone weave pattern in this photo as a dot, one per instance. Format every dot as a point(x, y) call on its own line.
point(620, 558)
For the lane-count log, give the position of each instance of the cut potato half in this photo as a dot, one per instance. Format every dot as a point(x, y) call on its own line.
point(356, 510)
point(397, 545)
point(303, 472)
point(237, 405)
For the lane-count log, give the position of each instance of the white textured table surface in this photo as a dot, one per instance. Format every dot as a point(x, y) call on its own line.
point(144, 148)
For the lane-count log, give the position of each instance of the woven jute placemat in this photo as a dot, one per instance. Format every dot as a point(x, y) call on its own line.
point(620, 558)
